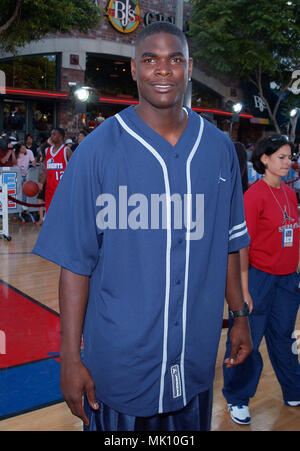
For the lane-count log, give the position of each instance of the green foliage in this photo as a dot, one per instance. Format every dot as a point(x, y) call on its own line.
point(248, 38)
point(36, 18)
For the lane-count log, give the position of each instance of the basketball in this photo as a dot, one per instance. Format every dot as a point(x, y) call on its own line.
point(30, 188)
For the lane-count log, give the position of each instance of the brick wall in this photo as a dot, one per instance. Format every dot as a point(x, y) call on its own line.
point(67, 75)
point(106, 31)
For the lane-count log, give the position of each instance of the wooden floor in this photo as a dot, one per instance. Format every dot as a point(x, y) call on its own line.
point(39, 279)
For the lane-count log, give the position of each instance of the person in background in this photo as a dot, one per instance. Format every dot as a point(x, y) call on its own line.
point(57, 156)
point(296, 167)
point(270, 280)
point(7, 153)
point(81, 135)
point(31, 145)
point(99, 119)
point(249, 150)
point(24, 158)
point(42, 174)
point(69, 143)
point(242, 157)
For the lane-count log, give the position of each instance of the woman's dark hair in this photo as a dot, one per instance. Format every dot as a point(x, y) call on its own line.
point(242, 157)
point(17, 149)
point(267, 146)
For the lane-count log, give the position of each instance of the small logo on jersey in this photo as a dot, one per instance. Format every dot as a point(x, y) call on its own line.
point(176, 381)
point(124, 15)
point(221, 179)
point(286, 217)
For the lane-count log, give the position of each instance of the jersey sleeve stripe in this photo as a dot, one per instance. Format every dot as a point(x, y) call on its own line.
point(237, 227)
point(238, 234)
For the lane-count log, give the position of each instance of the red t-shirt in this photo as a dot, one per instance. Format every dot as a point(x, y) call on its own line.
point(269, 213)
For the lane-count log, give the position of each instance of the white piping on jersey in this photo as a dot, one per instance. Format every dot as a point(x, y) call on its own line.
point(187, 251)
point(58, 150)
point(65, 154)
point(238, 227)
point(168, 253)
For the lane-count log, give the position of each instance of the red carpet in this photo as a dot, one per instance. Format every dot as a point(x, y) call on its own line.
point(32, 332)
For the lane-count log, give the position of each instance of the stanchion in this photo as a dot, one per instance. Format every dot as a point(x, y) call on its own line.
point(4, 212)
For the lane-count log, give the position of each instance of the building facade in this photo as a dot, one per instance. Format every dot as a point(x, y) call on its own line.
point(41, 79)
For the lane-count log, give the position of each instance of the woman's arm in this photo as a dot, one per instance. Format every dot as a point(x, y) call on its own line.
point(244, 276)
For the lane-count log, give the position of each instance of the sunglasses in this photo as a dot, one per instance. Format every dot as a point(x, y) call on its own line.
point(279, 139)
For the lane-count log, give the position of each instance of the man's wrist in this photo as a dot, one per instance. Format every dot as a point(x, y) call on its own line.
point(241, 313)
point(70, 356)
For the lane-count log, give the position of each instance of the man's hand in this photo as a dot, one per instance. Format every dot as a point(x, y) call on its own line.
point(241, 343)
point(75, 380)
point(75, 377)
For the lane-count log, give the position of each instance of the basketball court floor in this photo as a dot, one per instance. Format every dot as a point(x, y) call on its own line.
point(30, 398)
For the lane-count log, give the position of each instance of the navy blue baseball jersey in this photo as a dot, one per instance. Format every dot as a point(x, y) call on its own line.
point(151, 224)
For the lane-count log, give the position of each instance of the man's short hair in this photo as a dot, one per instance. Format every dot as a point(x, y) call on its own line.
point(60, 131)
point(161, 27)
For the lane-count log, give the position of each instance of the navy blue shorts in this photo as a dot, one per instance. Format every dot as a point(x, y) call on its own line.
point(195, 416)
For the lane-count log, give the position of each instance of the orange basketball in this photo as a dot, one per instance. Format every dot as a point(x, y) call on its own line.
point(30, 188)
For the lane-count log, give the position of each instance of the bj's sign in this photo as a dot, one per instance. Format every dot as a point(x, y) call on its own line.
point(125, 15)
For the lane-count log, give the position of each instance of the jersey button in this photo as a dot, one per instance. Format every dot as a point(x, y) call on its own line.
point(176, 155)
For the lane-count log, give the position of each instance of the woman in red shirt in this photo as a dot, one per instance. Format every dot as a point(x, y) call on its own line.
point(269, 279)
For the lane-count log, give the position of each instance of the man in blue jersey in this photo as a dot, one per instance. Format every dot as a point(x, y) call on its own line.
point(151, 221)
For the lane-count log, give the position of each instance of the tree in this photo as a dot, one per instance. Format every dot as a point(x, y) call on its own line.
point(22, 21)
point(251, 40)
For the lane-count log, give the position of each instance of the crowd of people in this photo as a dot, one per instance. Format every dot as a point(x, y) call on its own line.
point(27, 154)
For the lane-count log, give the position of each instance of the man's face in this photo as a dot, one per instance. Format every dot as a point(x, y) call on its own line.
point(56, 137)
point(161, 69)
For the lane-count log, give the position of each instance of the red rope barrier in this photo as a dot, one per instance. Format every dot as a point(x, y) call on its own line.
point(24, 203)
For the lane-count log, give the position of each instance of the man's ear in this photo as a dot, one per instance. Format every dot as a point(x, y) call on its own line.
point(133, 69)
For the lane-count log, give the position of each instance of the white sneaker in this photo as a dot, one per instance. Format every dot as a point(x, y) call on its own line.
point(239, 414)
point(293, 403)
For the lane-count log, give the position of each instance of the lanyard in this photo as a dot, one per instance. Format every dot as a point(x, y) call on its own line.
point(284, 214)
